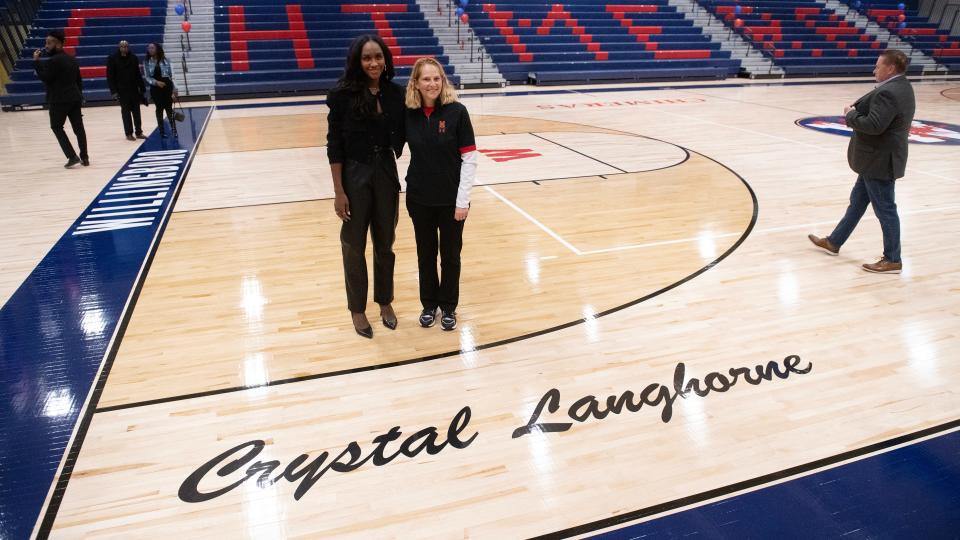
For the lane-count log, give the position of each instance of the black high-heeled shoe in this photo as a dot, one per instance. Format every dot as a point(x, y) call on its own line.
point(364, 332)
point(389, 323)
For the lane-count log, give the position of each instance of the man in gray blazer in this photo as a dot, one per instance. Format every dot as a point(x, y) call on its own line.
point(878, 154)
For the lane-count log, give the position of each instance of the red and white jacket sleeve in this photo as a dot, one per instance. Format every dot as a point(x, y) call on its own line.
point(468, 157)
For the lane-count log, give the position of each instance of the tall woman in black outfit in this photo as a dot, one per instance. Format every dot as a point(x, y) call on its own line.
point(443, 165)
point(365, 135)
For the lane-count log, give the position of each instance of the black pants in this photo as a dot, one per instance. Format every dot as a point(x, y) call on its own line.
point(130, 111)
point(163, 100)
point(59, 112)
point(437, 231)
point(374, 193)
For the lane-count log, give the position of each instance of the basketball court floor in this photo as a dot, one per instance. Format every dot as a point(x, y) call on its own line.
point(648, 344)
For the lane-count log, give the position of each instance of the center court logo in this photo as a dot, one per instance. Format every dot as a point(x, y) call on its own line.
point(921, 131)
point(306, 470)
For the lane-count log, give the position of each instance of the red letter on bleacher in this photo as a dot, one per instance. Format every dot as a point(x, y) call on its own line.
point(378, 12)
point(239, 36)
point(78, 19)
point(558, 12)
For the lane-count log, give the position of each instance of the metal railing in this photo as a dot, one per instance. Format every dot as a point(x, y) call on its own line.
point(950, 11)
point(16, 19)
point(186, 47)
point(938, 10)
point(475, 47)
point(186, 80)
point(698, 10)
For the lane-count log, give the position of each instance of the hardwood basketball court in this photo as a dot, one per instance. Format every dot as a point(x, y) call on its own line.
point(615, 233)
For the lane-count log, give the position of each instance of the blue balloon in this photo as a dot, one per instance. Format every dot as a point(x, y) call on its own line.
point(856, 5)
point(459, 11)
point(464, 3)
point(180, 9)
point(902, 25)
point(738, 9)
point(901, 6)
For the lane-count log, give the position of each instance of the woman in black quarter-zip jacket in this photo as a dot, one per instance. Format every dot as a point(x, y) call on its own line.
point(365, 135)
point(443, 166)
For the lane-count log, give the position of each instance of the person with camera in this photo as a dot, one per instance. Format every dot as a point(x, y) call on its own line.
point(60, 74)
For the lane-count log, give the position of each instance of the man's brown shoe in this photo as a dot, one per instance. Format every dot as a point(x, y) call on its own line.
point(824, 244)
point(883, 266)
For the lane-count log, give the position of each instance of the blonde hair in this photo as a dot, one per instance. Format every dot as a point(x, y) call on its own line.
point(447, 92)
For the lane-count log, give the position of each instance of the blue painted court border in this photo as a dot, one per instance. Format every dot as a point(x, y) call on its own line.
point(60, 331)
point(908, 492)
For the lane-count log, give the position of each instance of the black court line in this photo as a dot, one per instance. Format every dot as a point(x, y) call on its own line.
point(261, 149)
point(50, 516)
point(705, 496)
point(537, 182)
point(581, 153)
point(685, 159)
point(448, 354)
point(253, 205)
point(957, 90)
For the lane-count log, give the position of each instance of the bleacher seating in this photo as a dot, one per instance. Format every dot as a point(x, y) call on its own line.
point(917, 30)
point(802, 37)
point(268, 47)
point(92, 28)
point(596, 40)
point(265, 47)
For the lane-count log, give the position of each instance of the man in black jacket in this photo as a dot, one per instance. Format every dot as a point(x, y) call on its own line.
point(878, 153)
point(60, 73)
point(126, 85)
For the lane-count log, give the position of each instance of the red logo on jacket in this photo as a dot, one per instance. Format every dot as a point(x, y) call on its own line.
point(443, 126)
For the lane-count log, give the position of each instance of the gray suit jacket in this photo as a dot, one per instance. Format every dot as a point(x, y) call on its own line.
point(881, 124)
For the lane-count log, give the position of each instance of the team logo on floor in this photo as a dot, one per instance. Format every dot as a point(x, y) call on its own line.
point(921, 132)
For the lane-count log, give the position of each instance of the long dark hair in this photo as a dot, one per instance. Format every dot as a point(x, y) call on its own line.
point(159, 48)
point(355, 80)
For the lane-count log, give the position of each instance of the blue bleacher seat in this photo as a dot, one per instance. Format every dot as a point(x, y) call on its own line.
point(264, 47)
point(802, 37)
point(93, 29)
point(596, 40)
point(917, 30)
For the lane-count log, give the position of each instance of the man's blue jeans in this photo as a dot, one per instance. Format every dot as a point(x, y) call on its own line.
point(880, 194)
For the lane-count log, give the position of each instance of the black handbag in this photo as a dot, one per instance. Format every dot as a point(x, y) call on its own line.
point(178, 114)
